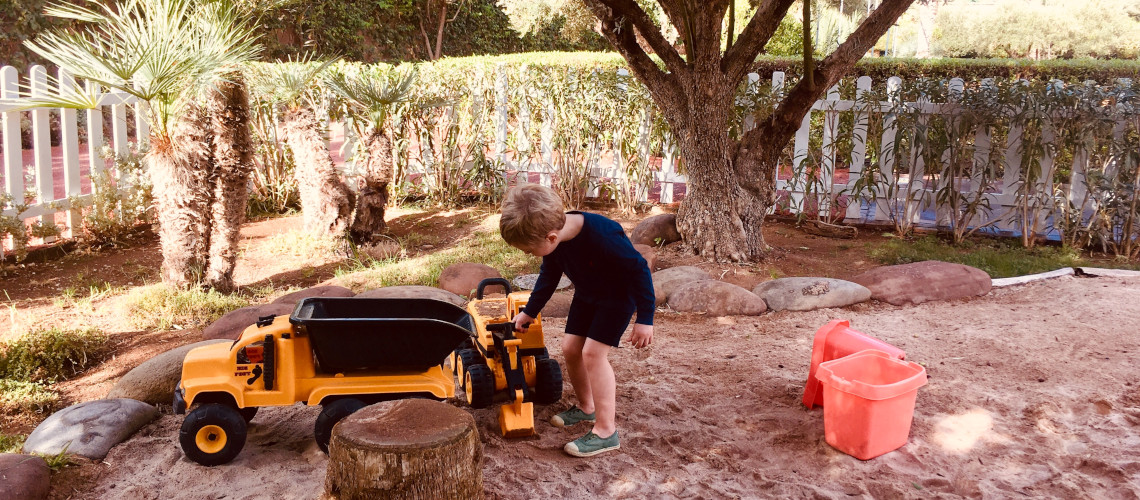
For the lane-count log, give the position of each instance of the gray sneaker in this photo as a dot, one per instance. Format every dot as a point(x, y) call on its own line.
point(571, 417)
point(590, 445)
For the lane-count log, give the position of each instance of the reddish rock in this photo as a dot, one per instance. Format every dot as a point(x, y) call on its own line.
point(464, 277)
point(415, 292)
point(656, 230)
point(666, 281)
point(648, 254)
point(923, 282)
point(23, 477)
point(559, 305)
point(234, 322)
point(716, 298)
point(316, 291)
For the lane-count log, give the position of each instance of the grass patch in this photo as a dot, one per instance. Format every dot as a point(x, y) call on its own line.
point(481, 247)
point(304, 245)
point(17, 396)
point(161, 307)
point(51, 355)
point(12, 443)
point(998, 258)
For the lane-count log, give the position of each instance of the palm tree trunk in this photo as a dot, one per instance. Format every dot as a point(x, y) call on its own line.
point(233, 160)
point(369, 220)
point(325, 199)
point(179, 165)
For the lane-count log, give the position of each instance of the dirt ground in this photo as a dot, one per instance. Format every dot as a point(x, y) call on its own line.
point(1034, 391)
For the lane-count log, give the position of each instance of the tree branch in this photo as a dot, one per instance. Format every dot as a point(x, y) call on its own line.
point(665, 87)
point(738, 59)
point(621, 13)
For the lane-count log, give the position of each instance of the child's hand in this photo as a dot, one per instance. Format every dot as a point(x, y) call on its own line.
point(522, 321)
point(642, 335)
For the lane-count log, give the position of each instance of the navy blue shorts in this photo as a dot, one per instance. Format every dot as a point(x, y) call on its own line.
point(601, 323)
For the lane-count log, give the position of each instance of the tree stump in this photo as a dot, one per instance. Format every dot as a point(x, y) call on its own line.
point(408, 448)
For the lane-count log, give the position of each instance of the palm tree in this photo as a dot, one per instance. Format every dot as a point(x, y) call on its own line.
point(372, 96)
point(167, 53)
point(326, 201)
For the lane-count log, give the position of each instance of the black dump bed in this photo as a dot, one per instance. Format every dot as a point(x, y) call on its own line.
point(351, 334)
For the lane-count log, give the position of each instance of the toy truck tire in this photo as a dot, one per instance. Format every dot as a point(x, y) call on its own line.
point(547, 381)
point(479, 385)
point(331, 414)
point(212, 434)
point(248, 413)
point(464, 358)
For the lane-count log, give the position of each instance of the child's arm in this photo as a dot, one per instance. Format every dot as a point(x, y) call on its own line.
point(548, 277)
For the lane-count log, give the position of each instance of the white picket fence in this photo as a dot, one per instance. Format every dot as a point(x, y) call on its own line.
point(53, 177)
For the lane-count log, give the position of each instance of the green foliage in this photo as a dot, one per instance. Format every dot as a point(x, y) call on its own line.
point(51, 355)
point(118, 205)
point(999, 258)
point(12, 443)
point(881, 68)
point(18, 396)
point(161, 307)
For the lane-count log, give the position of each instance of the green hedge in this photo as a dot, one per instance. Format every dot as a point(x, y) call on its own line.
point(879, 69)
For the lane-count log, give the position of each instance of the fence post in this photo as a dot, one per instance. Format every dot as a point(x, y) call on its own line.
point(41, 147)
point(750, 116)
point(858, 147)
point(886, 205)
point(548, 117)
point(523, 131)
point(69, 142)
point(796, 186)
point(13, 149)
point(95, 162)
point(943, 215)
point(647, 116)
point(827, 164)
point(501, 114)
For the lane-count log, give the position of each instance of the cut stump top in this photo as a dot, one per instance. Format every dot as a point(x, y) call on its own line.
point(405, 424)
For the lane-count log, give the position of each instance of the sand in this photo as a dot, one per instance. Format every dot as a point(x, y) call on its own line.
point(1034, 392)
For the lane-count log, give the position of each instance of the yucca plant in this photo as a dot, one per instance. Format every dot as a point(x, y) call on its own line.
point(168, 54)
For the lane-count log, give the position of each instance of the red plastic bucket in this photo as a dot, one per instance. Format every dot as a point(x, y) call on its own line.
point(836, 340)
point(869, 402)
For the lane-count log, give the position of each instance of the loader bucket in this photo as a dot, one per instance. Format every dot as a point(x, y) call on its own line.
point(516, 419)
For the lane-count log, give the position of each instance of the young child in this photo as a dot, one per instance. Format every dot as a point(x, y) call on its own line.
point(611, 281)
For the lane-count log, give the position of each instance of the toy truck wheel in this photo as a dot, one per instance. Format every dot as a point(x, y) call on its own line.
point(547, 381)
point(212, 434)
point(479, 384)
point(330, 415)
point(248, 413)
point(463, 359)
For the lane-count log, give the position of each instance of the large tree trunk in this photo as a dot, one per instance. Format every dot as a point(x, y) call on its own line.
point(370, 205)
point(405, 449)
point(233, 160)
point(326, 201)
point(178, 169)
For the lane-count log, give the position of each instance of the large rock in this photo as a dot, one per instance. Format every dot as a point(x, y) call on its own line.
point(23, 477)
point(154, 380)
point(806, 294)
point(316, 291)
point(666, 281)
point(90, 429)
point(234, 322)
point(527, 281)
point(647, 253)
point(656, 230)
point(462, 278)
point(415, 292)
point(559, 305)
point(716, 298)
point(923, 282)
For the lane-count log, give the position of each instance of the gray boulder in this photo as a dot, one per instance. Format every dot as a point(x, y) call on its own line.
point(462, 278)
point(234, 322)
point(716, 298)
point(316, 291)
point(23, 477)
point(154, 380)
point(90, 429)
point(806, 294)
point(924, 281)
point(666, 281)
point(527, 281)
point(416, 292)
point(656, 230)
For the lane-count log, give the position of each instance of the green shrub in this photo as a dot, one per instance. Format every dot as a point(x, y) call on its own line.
point(999, 258)
point(51, 355)
point(12, 443)
point(161, 307)
point(17, 396)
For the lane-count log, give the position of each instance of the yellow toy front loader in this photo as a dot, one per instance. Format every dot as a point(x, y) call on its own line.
point(500, 361)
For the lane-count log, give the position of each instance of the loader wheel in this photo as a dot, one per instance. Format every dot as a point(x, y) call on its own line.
point(463, 359)
point(330, 415)
point(479, 384)
point(212, 434)
point(547, 381)
point(248, 413)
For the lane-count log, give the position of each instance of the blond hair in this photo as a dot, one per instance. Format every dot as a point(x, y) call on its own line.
point(530, 212)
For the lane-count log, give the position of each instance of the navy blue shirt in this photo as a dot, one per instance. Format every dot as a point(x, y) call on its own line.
point(603, 265)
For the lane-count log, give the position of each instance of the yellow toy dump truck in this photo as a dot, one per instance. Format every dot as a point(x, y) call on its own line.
point(340, 353)
point(500, 361)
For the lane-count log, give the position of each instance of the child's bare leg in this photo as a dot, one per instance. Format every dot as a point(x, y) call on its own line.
point(572, 352)
point(595, 358)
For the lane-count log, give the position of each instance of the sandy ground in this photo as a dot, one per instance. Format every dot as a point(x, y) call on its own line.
point(1034, 392)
